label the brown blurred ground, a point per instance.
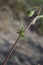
(29, 51)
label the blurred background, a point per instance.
(29, 51)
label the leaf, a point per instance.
(30, 13)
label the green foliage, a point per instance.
(21, 32)
(30, 13)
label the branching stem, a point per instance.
(11, 50)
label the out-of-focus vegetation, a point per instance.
(20, 6)
(39, 28)
(39, 24)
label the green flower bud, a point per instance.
(21, 32)
(30, 13)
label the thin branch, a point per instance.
(11, 50)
